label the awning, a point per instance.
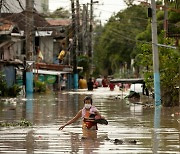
(49, 72)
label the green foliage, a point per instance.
(174, 18)
(169, 71)
(59, 13)
(128, 35)
(3, 85)
(22, 123)
(129, 2)
(169, 65)
(83, 61)
(39, 86)
(6, 91)
(14, 90)
(113, 48)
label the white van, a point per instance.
(137, 87)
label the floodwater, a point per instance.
(132, 128)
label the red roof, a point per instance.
(6, 26)
(59, 22)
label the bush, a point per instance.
(6, 91)
(14, 90)
(39, 86)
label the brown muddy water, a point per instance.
(132, 127)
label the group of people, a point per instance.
(92, 83)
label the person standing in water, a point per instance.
(90, 84)
(89, 114)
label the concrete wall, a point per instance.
(17, 48)
(46, 47)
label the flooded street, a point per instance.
(132, 128)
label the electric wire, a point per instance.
(116, 33)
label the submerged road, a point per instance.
(132, 128)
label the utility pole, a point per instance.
(85, 29)
(79, 38)
(74, 46)
(165, 18)
(90, 30)
(90, 51)
(179, 83)
(1, 2)
(155, 55)
(29, 36)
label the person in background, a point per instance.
(62, 52)
(111, 86)
(82, 83)
(90, 84)
(63, 82)
(105, 82)
(95, 84)
(39, 55)
(61, 56)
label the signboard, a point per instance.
(51, 79)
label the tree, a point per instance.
(60, 13)
(113, 48)
(129, 2)
(169, 60)
(83, 61)
(128, 35)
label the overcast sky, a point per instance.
(103, 10)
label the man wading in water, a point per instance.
(90, 116)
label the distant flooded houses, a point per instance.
(51, 36)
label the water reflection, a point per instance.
(29, 106)
(155, 130)
(157, 119)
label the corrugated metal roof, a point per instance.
(20, 19)
(40, 23)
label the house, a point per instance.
(8, 61)
(61, 41)
(46, 36)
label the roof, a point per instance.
(6, 26)
(11, 62)
(41, 25)
(20, 19)
(58, 22)
(55, 67)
